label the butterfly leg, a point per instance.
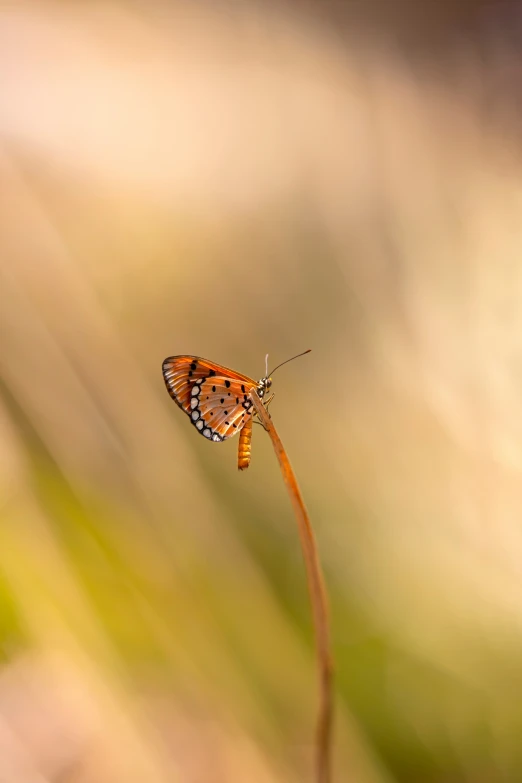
(266, 404)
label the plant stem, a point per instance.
(318, 596)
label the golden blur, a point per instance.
(227, 180)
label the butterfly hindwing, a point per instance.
(214, 397)
(224, 406)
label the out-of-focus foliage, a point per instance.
(227, 180)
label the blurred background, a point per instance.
(230, 179)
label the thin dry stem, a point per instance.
(318, 596)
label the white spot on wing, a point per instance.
(216, 437)
(193, 403)
(195, 391)
(195, 415)
(200, 424)
(206, 433)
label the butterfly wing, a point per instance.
(214, 397)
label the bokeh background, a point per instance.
(230, 179)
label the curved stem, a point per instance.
(318, 596)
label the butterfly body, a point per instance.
(215, 398)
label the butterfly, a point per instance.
(217, 399)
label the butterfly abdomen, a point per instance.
(245, 445)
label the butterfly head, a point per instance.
(263, 385)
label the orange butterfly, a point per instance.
(216, 398)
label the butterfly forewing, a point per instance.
(214, 397)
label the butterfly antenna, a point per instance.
(266, 366)
(288, 360)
